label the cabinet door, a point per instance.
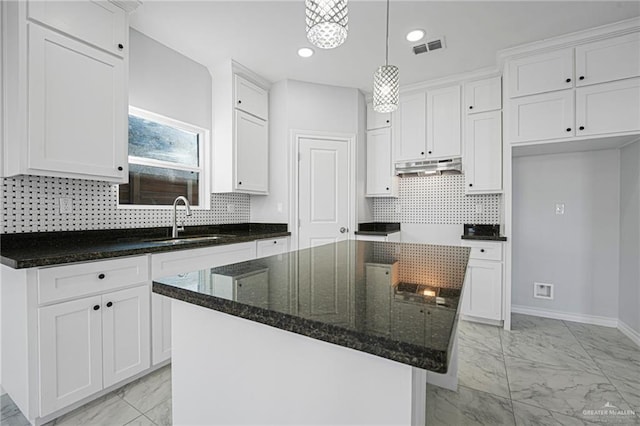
(100, 23)
(125, 333)
(608, 108)
(252, 154)
(607, 60)
(77, 108)
(443, 123)
(541, 73)
(484, 290)
(376, 120)
(379, 288)
(253, 289)
(483, 95)
(251, 98)
(160, 328)
(483, 152)
(409, 322)
(409, 137)
(379, 168)
(542, 117)
(272, 247)
(70, 347)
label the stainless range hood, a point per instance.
(430, 168)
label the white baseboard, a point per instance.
(629, 332)
(565, 316)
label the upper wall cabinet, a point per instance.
(483, 95)
(380, 179)
(608, 60)
(376, 120)
(541, 73)
(409, 128)
(443, 123)
(67, 96)
(240, 102)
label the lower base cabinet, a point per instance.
(483, 288)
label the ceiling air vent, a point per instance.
(435, 44)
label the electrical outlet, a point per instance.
(65, 205)
(231, 208)
(560, 208)
(398, 208)
(479, 208)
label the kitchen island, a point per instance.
(343, 333)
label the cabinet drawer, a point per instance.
(484, 251)
(594, 60)
(541, 73)
(72, 281)
(272, 247)
(99, 23)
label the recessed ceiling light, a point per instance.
(415, 35)
(305, 52)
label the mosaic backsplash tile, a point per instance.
(30, 204)
(437, 200)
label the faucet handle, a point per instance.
(181, 228)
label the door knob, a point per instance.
(343, 230)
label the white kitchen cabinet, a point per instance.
(409, 128)
(483, 298)
(608, 108)
(483, 95)
(381, 181)
(540, 73)
(251, 98)
(443, 123)
(376, 120)
(272, 247)
(70, 340)
(240, 159)
(393, 237)
(379, 290)
(408, 313)
(99, 23)
(542, 117)
(67, 107)
(608, 60)
(252, 148)
(483, 153)
(253, 288)
(160, 328)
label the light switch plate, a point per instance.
(560, 208)
(231, 208)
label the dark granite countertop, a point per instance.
(395, 300)
(378, 228)
(482, 232)
(28, 250)
(484, 237)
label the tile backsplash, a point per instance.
(437, 200)
(30, 204)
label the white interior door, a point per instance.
(323, 191)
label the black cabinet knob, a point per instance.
(422, 153)
(470, 106)
(275, 242)
(386, 273)
(422, 311)
(428, 312)
(568, 129)
(387, 188)
(581, 77)
(481, 250)
(388, 121)
(96, 307)
(101, 277)
(239, 284)
(239, 183)
(119, 168)
(568, 80)
(470, 184)
(581, 127)
(239, 101)
(120, 46)
(428, 152)
(109, 304)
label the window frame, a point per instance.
(204, 168)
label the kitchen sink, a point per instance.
(190, 239)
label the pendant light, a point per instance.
(385, 82)
(327, 22)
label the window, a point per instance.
(166, 159)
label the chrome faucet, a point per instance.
(174, 231)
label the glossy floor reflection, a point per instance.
(543, 372)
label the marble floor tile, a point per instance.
(598, 337)
(479, 336)
(140, 421)
(161, 414)
(7, 407)
(467, 407)
(537, 325)
(15, 420)
(148, 391)
(623, 371)
(528, 415)
(560, 389)
(484, 371)
(108, 410)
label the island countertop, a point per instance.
(395, 300)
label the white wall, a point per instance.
(166, 82)
(577, 251)
(630, 236)
(297, 105)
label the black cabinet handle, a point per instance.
(109, 304)
(101, 277)
(119, 168)
(581, 77)
(568, 80)
(120, 46)
(568, 129)
(428, 152)
(96, 307)
(581, 127)
(481, 250)
(470, 106)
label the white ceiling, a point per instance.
(265, 35)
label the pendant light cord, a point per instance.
(386, 59)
